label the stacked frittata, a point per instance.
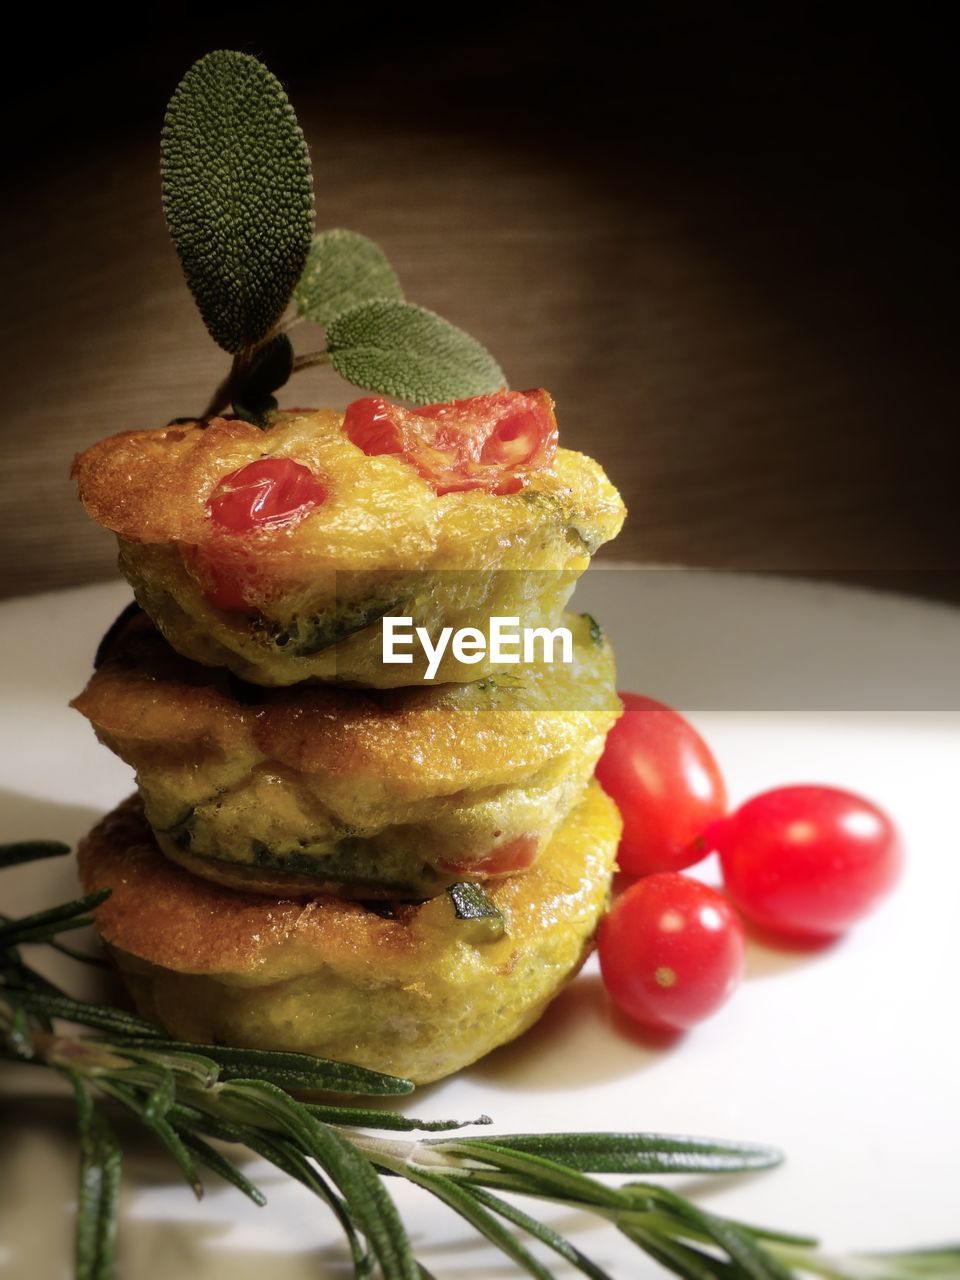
(328, 852)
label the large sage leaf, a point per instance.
(237, 194)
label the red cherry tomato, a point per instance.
(666, 784)
(488, 442)
(807, 861)
(516, 855)
(671, 951)
(271, 493)
(268, 493)
(223, 585)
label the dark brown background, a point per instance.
(725, 243)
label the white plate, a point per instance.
(846, 1058)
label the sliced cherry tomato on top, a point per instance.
(488, 442)
(269, 493)
(807, 861)
(671, 951)
(666, 784)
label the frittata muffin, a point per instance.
(277, 552)
(364, 793)
(417, 994)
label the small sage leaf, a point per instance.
(269, 368)
(237, 194)
(403, 350)
(343, 269)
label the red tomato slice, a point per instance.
(268, 493)
(223, 573)
(515, 855)
(271, 493)
(488, 442)
(222, 588)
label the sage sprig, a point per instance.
(191, 1096)
(238, 199)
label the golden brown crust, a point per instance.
(392, 794)
(143, 485)
(283, 604)
(426, 740)
(152, 487)
(163, 915)
(417, 996)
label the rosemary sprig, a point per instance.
(190, 1096)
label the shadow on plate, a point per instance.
(581, 1040)
(24, 817)
(53, 880)
(769, 955)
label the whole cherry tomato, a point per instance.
(807, 861)
(666, 784)
(671, 951)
